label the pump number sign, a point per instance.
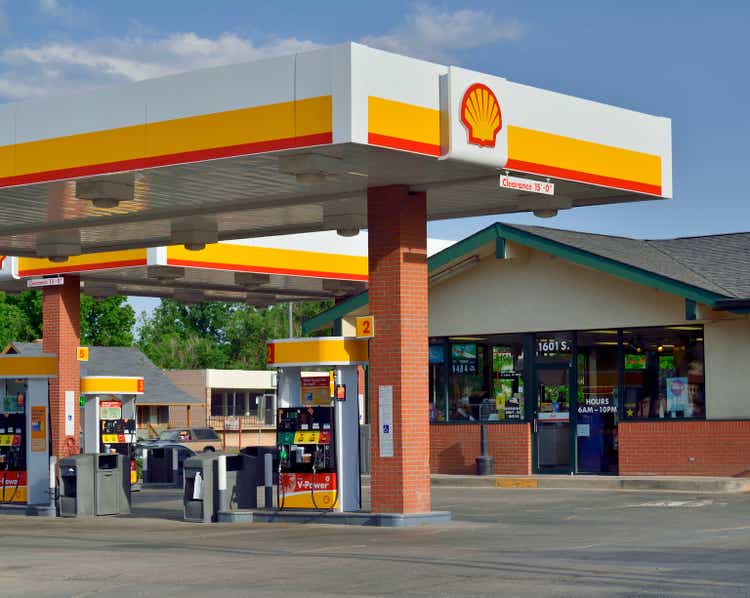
(365, 326)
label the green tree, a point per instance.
(107, 322)
(15, 324)
(104, 322)
(217, 335)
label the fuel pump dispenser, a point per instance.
(109, 416)
(318, 422)
(24, 432)
(307, 458)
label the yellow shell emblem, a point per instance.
(480, 114)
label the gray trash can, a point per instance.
(112, 487)
(201, 488)
(77, 486)
(242, 481)
(200, 493)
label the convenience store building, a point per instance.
(586, 353)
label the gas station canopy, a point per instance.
(260, 274)
(291, 144)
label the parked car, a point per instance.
(196, 439)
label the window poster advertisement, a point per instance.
(507, 384)
(464, 358)
(635, 362)
(502, 361)
(677, 394)
(509, 404)
(437, 354)
(666, 362)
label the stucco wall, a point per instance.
(727, 346)
(543, 293)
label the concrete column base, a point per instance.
(354, 518)
(29, 510)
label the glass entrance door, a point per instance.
(552, 420)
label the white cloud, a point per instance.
(30, 71)
(439, 35)
(53, 8)
(59, 67)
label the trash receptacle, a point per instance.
(77, 486)
(242, 482)
(200, 492)
(201, 489)
(112, 477)
(259, 453)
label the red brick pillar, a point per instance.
(397, 227)
(61, 316)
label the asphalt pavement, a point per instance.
(519, 542)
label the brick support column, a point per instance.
(397, 228)
(61, 314)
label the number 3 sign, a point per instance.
(365, 327)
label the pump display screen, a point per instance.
(110, 410)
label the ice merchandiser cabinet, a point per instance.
(318, 422)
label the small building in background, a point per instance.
(239, 404)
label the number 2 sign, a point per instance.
(365, 327)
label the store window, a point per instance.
(473, 381)
(664, 373)
(438, 383)
(467, 383)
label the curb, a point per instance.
(703, 485)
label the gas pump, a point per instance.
(109, 416)
(13, 442)
(307, 458)
(318, 422)
(24, 431)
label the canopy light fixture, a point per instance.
(107, 192)
(545, 213)
(251, 279)
(58, 246)
(196, 232)
(347, 231)
(311, 169)
(165, 273)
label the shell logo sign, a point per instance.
(480, 114)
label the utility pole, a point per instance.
(291, 319)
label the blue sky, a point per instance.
(687, 60)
